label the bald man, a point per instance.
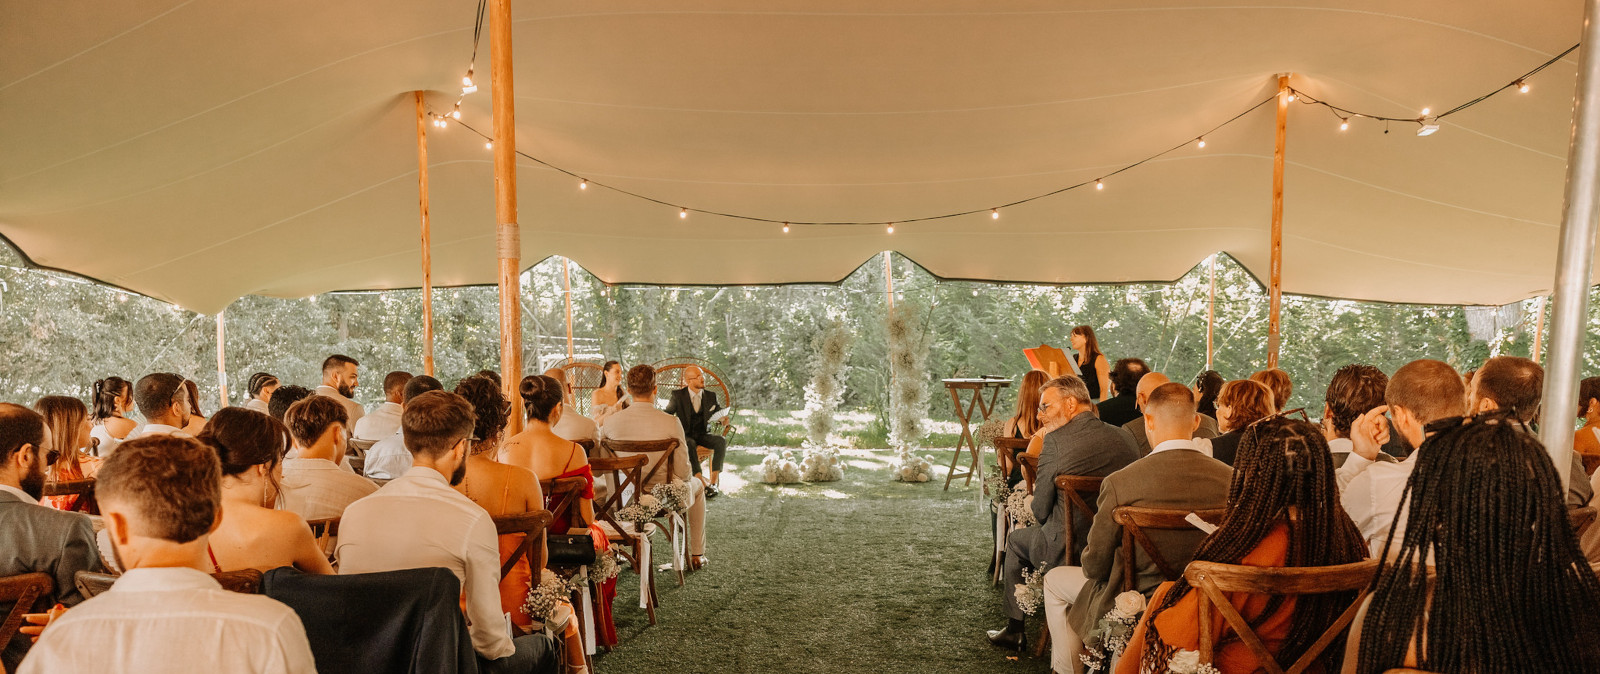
(694, 407)
(1148, 383)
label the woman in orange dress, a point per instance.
(68, 419)
(1283, 510)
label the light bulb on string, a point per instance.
(683, 214)
(1344, 124)
(456, 113)
(994, 214)
(584, 185)
(1201, 143)
(891, 228)
(466, 80)
(488, 145)
(1522, 86)
(1099, 185)
(1293, 96)
(1425, 111)
(785, 228)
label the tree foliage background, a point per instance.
(60, 332)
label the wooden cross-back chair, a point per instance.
(626, 475)
(326, 531)
(30, 591)
(1080, 493)
(247, 581)
(1213, 580)
(532, 524)
(1006, 451)
(669, 376)
(668, 449)
(1135, 520)
(1030, 469)
(1581, 519)
(83, 489)
(565, 496)
(584, 377)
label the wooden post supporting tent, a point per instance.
(508, 234)
(888, 277)
(1211, 312)
(427, 238)
(222, 363)
(1275, 285)
(1538, 331)
(1575, 257)
(566, 280)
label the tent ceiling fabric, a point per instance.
(199, 151)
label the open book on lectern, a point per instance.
(1051, 360)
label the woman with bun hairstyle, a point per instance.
(110, 425)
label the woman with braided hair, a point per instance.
(1510, 591)
(261, 386)
(1283, 510)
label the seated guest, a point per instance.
(285, 397)
(314, 486)
(540, 450)
(642, 421)
(419, 520)
(1420, 393)
(1353, 391)
(261, 387)
(491, 375)
(164, 403)
(1516, 385)
(499, 488)
(68, 420)
(1148, 383)
(1025, 424)
(1278, 382)
(112, 401)
(612, 395)
(197, 419)
(694, 406)
(1176, 475)
(1083, 445)
(1241, 403)
(1124, 406)
(250, 446)
(384, 420)
(161, 500)
(36, 538)
(1207, 385)
(572, 426)
(1481, 584)
(339, 375)
(1587, 440)
(1283, 511)
(389, 458)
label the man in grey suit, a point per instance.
(1084, 445)
(1206, 429)
(36, 538)
(1177, 475)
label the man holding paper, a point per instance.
(695, 408)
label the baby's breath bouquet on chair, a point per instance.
(543, 598)
(1110, 637)
(673, 496)
(1019, 503)
(1030, 592)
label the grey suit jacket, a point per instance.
(1084, 446)
(43, 539)
(1175, 479)
(1208, 429)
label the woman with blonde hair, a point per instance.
(68, 419)
(1242, 402)
(1092, 363)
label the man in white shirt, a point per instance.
(384, 420)
(1419, 393)
(389, 458)
(164, 402)
(339, 373)
(419, 520)
(161, 498)
(572, 426)
(314, 486)
(642, 421)
(1353, 391)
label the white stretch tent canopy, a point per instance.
(199, 151)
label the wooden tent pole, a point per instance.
(1275, 290)
(427, 237)
(566, 280)
(888, 276)
(1211, 312)
(508, 234)
(1538, 330)
(222, 363)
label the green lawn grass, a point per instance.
(858, 429)
(860, 575)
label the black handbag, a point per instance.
(570, 549)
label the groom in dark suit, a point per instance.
(694, 407)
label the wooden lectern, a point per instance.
(1051, 360)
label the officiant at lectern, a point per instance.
(694, 406)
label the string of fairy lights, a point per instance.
(1427, 123)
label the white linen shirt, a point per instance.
(319, 489)
(1338, 446)
(156, 429)
(418, 521)
(257, 405)
(1196, 445)
(1370, 494)
(641, 421)
(382, 422)
(177, 621)
(351, 407)
(574, 427)
(388, 459)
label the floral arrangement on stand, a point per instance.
(672, 495)
(908, 377)
(1110, 638)
(1019, 503)
(780, 468)
(909, 467)
(826, 389)
(821, 465)
(1030, 592)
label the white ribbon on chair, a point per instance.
(646, 565)
(588, 614)
(680, 542)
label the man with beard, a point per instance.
(418, 521)
(339, 382)
(36, 538)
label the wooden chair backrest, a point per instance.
(669, 376)
(1581, 519)
(83, 489)
(27, 590)
(325, 531)
(247, 581)
(1213, 580)
(667, 447)
(1030, 470)
(1080, 493)
(1134, 520)
(1006, 450)
(1590, 462)
(565, 496)
(532, 547)
(626, 473)
(587, 445)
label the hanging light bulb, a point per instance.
(1201, 143)
(891, 228)
(785, 228)
(683, 214)
(1292, 96)
(994, 214)
(489, 145)
(1522, 86)
(1099, 185)
(466, 81)
(584, 185)
(1344, 124)
(1425, 111)
(456, 113)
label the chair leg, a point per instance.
(1043, 641)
